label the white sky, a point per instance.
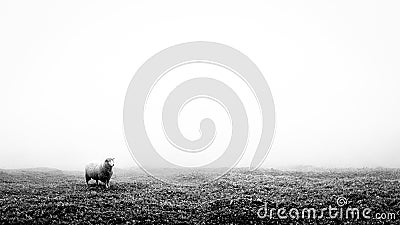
(333, 68)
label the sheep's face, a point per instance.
(110, 162)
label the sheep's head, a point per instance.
(110, 162)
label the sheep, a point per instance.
(100, 171)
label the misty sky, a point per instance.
(332, 66)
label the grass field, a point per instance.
(38, 196)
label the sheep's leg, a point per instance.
(97, 182)
(87, 180)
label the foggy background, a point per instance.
(333, 69)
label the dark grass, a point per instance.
(44, 196)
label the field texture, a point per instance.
(43, 196)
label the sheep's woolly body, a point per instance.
(99, 171)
